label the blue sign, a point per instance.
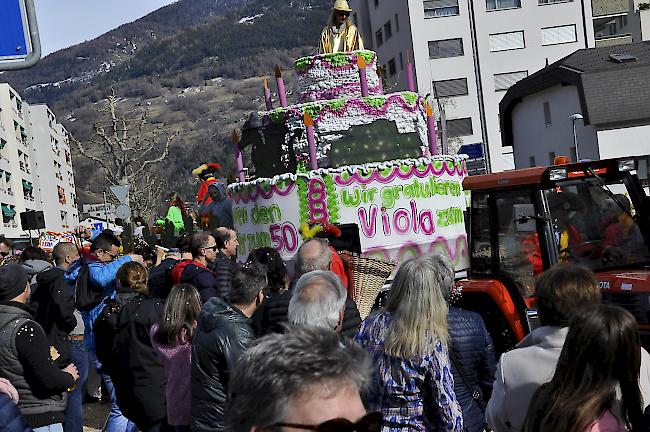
(14, 31)
(474, 151)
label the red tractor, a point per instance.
(521, 222)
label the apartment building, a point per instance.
(35, 166)
(468, 53)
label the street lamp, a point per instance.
(573, 118)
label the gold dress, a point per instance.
(345, 41)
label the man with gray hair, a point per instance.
(318, 300)
(314, 254)
(304, 379)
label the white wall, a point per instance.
(632, 141)
(531, 136)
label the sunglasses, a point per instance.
(371, 422)
(214, 248)
(342, 13)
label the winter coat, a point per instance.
(177, 360)
(472, 350)
(523, 370)
(160, 278)
(196, 274)
(102, 276)
(276, 312)
(221, 337)
(136, 371)
(224, 268)
(53, 302)
(10, 418)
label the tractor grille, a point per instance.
(637, 304)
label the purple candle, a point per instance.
(282, 92)
(410, 81)
(311, 140)
(267, 96)
(431, 127)
(363, 75)
(239, 160)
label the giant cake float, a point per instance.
(347, 153)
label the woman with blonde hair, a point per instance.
(413, 386)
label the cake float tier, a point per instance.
(336, 75)
(402, 208)
(347, 131)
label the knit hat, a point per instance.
(13, 279)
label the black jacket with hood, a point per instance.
(222, 335)
(53, 301)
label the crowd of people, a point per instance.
(192, 340)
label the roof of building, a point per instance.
(613, 84)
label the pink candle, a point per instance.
(311, 140)
(239, 159)
(363, 75)
(267, 96)
(282, 92)
(431, 127)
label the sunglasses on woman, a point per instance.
(371, 422)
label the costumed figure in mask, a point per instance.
(218, 212)
(340, 35)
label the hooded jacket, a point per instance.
(34, 267)
(196, 274)
(53, 301)
(223, 334)
(523, 370)
(220, 210)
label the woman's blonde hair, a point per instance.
(134, 276)
(417, 301)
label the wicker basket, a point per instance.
(366, 278)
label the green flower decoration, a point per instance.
(278, 115)
(410, 97)
(368, 56)
(375, 101)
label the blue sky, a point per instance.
(63, 23)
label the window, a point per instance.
(388, 30)
(452, 87)
(396, 23)
(376, 3)
(547, 114)
(559, 35)
(502, 4)
(610, 26)
(380, 37)
(507, 41)
(459, 127)
(531, 161)
(440, 8)
(446, 48)
(504, 81)
(401, 61)
(551, 158)
(574, 154)
(392, 67)
(545, 2)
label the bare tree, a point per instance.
(128, 150)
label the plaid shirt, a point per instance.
(413, 394)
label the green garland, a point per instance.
(333, 208)
(303, 189)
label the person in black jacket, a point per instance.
(196, 272)
(225, 265)
(471, 355)
(223, 334)
(313, 254)
(134, 367)
(25, 355)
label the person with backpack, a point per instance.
(93, 279)
(125, 348)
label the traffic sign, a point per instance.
(20, 45)
(123, 211)
(121, 192)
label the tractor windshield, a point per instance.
(596, 228)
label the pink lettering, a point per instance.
(368, 225)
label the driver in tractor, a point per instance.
(565, 210)
(622, 237)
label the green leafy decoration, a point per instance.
(332, 200)
(337, 59)
(368, 56)
(278, 115)
(410, 97)
(303, 209)
(314, 109)
(375, 101)
(336, 105)
(303, 63)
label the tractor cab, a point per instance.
(521, 222)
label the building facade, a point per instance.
(593, 104)
(468, 53)
(35, 166)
